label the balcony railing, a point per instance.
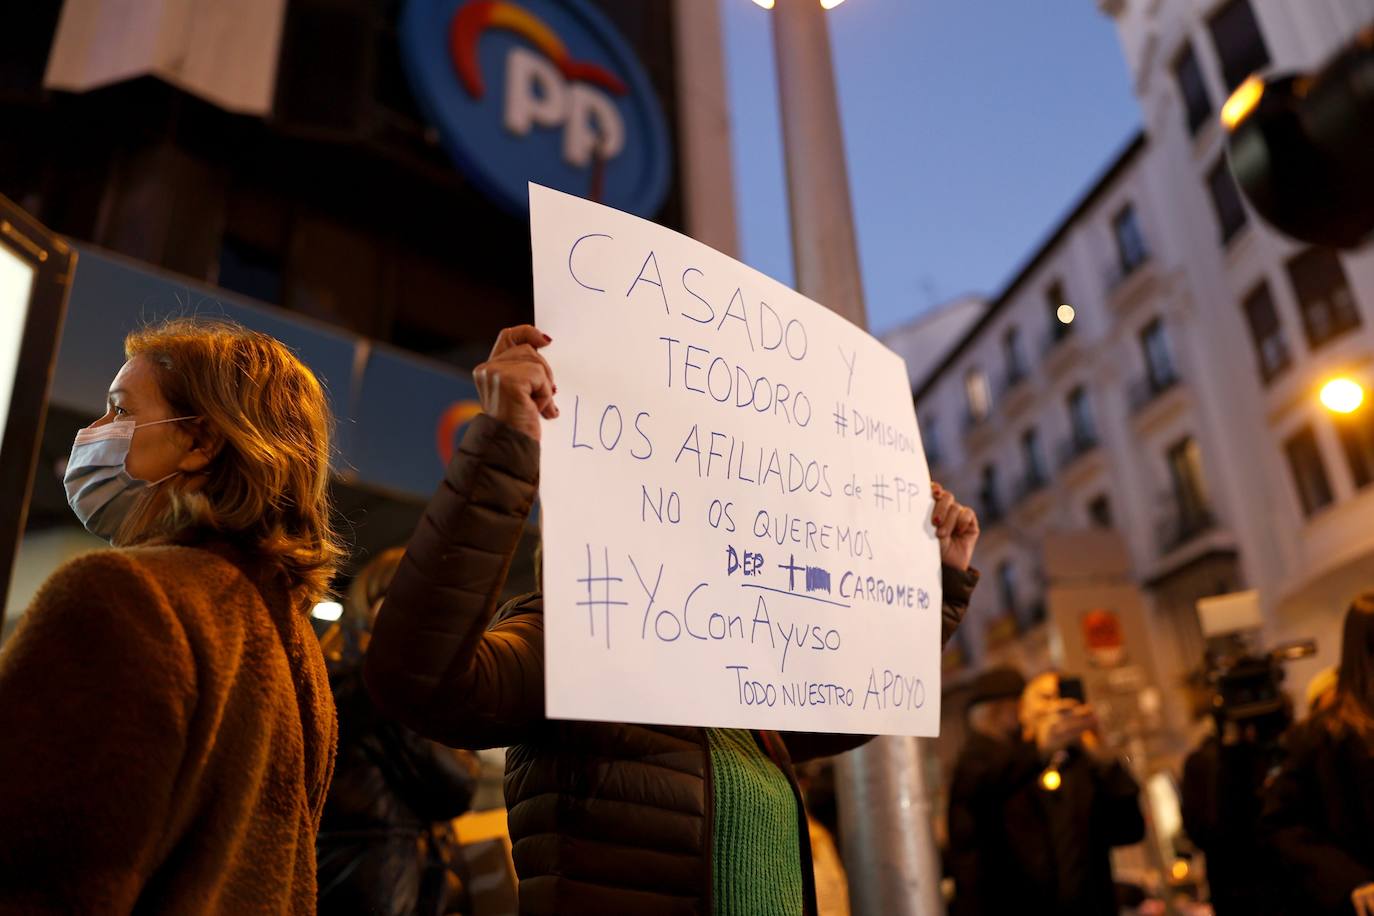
(990, 511)
(1182, 525)
(1030, 483)
(1054, 338)
(1120, 271)
(1011, 379)
(1145, 390)
(1077, 445)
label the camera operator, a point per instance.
(1320, 806)
(1222, 780)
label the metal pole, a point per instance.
(823, 249)
(885, 827)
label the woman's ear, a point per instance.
(205, 444)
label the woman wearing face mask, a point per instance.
(168, 730)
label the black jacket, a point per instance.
(1319, 810)
(1221, 801)
(392, 790)
(605, 818)
(1016, 848)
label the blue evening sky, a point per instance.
(970, 127)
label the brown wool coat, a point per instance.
(166, 739)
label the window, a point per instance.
(1309, 472)
(1357, 440)
(1196, 102)
(1006, 587)
(1324, 295)
(930, 438)
(1054, 298)
(1185, 474)
(1011, 350)
(1033, 459)
(1159, 364)
(1226, 200)
(988, 496)
(1239, 42)
(1130, 243)
(1100, 511)
(979, 399)
(1081, 417)
(1271, 349)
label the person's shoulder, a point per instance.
(107, 598)
(1325, 733)
(98, 572)
(530, 604)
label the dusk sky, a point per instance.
(970, 127)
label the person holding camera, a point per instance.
(1319, 809)
(1223, 779)
(1034, 836)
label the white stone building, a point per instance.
(1180, 405)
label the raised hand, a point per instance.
(516, 384)
(956, 525)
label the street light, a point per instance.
(1342, 395)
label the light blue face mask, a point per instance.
(100, 489)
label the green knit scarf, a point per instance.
(756, 850)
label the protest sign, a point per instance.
(736, 504)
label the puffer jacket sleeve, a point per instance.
(433, 664)
(957, 586)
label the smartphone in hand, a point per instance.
(1071, 688)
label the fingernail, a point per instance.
(936, 520)
(548, 339)
(555, 389)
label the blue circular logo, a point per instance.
(538, 90)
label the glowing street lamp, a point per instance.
(1342, 395)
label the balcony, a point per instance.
(1146, 390)
(1055, 339)
(1182, 525)
(1013, 393)
(990, 511)
(1076, 446)
(1028, 484)
(1121, 271)
(1131, 283)
(1058, 347)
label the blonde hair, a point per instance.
(267, 489)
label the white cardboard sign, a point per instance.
(736, 504)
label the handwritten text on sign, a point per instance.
(735, 500)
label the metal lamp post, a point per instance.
(885, 809)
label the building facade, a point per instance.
(1152, 372)
(298, 166)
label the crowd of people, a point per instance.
(176, 738)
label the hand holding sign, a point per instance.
(956, 526)
(737, 513)
(516, 383)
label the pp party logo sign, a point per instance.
(538, 90)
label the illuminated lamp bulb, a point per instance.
(327, 610)
(1342, 395)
